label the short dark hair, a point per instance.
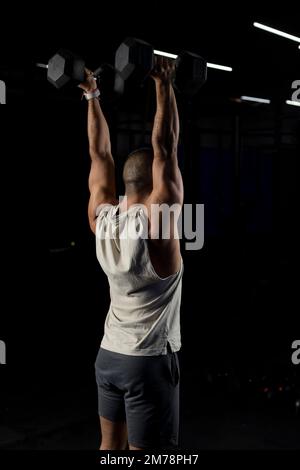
(137, 171)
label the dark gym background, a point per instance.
(240, 310)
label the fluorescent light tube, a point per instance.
(212, 66)
(293, 103)
(276, 31)
(254, 99)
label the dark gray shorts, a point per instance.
(144, 392)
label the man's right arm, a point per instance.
(167, 180)
(164, 247)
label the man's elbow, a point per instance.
(164, 151)
(165, 145)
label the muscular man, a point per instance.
(137, 367)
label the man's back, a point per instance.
(144, 314)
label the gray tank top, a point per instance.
(144, 313)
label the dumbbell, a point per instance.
(134, 61)
(66, 67)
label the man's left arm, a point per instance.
(102, 184)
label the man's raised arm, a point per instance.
(167, 180)
(102, 174)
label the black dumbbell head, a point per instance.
(191, 73)
(134, 59)
(64, 67)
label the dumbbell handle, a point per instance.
(42, 66)
(96, 73)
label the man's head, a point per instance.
(137, 172)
